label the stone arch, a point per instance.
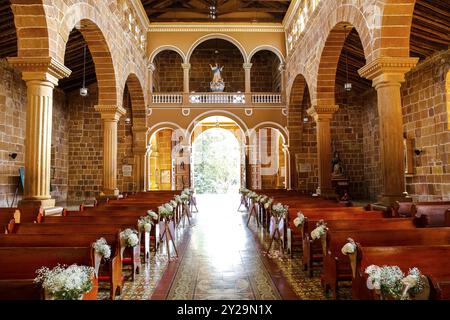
(167, 48)
(217, 36)
(241, 124)
(36, 29)
(275, 126)
(328, 64)
(268, 48)
(93, 29)
(395, 15)
(179, 131)
(137, 100)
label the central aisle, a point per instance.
(222, 260)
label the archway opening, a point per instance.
(161, 173)
(217, 156)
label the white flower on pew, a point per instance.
(173, 203)
(244, 191)
(413, 283)
(252, 195)
(152, 214)
(178, 199)
(349, 247)
(65, 283)
(129, 238)
(102, 248)
(319, 231)
(279, 210)
(268, 204)
(165, 211)
(263, 199)
(299, 220)
(387, 280)
(145, 223)
(184, 198)
(186, 191)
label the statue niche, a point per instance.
(217, 84)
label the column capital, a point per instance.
(151, 66)
(282, 67)
(322, 112)
(247, 65)
(110, 112)
(41, 69)
(186, 66)
(388, 69)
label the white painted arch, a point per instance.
(270, 48)
(167, 48)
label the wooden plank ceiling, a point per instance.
(430, 32)
(226, 10)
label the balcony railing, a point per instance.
(266, 98)
(230, 98)
(167, 98)
(216, 98)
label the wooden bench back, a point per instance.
(430, 215)
(63, 228)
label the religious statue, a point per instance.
(217, 84)
(337, 165)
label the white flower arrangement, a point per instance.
(387, 279)
(165, 211)
(279, 210)
(102, 248)
(173, 203)
(252, 195)
(413, 283)
(244, 191)
(129, 238)
(184, 198)
(145, 223)
(319, 231)
(65, 283)
(268, 204)
(349, 247)
(299, 220)
(152, 214)
(186, 191)
(263, 199)
(178, 199)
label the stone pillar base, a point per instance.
(389, 200)
(45, 204)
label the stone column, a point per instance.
(287, 165)
(147, 180)
(139, 151)
(110, 116)
(153, 163)
(323, 115)
(387, 75)
(41, 76)
(248, 84)
(186, 72)
(282, 70)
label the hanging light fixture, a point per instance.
(83, 90)
(348, 84)
(213, 11)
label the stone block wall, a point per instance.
(164, 140)
(85, 146)
(265, 76)
(425, 118)
(168, 76)
(13, 104)
(347, 136)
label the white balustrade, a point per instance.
(167, 98)
(217, 98)
(266, 98)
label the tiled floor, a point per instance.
(221, 258)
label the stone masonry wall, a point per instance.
(85, 146)
(168, 76)
(264, 73)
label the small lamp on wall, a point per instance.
(418, 152)
(13, 155)
(127, 120)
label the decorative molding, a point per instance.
(140, 10)
(284, 111)
(186, 66)
(387, 65)
(149, 111)
(44, 65)
(151, 66)
(247, 65)
(110, 112)
(292, 10)
(248, 112)
(318, 112)
(232, 27)
(185, 112)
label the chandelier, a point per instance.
(213, 11)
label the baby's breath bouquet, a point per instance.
(252, 195)
(279, 210)
(152, 214)
(65, 283)
(244, 191)
(268, 203)
(184, 198)
(387, 280)
(413, 283)
(129, 238)
(145, 223)
(165, 211)
(102, 248)
(319, 231)
(299, 220)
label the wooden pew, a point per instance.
(432, 261)
(19, 265)
(338, 267)
(426, 216)
(131, 255)
(406, 209)
(111, 272)
(314, 250)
